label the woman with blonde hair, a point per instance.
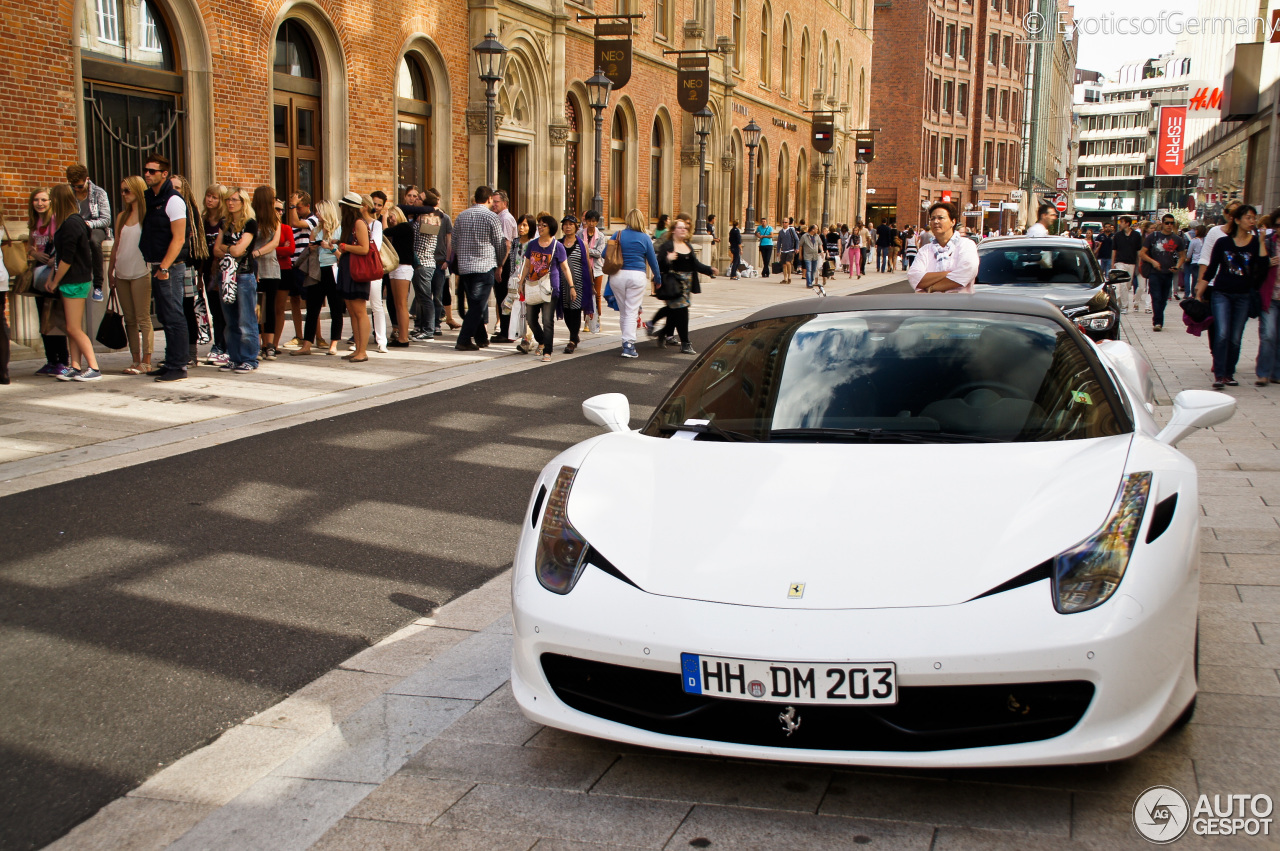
(357, 240)
(72, 280)
(630, 282)
(324, 241)
(129, 276)
(234, 250)
(41, 228)
(264, 251)
(400, 234)
(215, 197)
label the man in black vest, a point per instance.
(163, 244)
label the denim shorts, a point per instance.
(75, 290)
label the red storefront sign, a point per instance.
(1169, 144)
(1205, 98)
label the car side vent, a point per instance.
(537, 506)
(596, 559)
(1161, 517)
(1043, 570)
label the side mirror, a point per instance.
(1118, 276)
(611, 410)
(1196, 409)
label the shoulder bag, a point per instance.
(613, 256)
(111, 329)
(366, 268)
(14, 253)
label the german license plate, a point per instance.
(846, 683)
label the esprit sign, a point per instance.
(1169, 145)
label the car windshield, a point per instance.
(1033, 265)
(893, 376)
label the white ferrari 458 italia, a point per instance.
(878, 530)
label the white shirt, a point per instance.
(1037, 230)
(175, 208)
(1215, 233)
(959, 257)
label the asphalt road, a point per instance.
(146, 610)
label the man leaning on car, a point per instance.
(949, 264)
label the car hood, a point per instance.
(860, 526)
(1063, 295)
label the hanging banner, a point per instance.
(613, 57)
(1169, 144)
(824, 134)
(866, 147)
(693, 82)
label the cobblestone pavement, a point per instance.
(417, 741)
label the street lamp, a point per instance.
(491, 65)
(598, 88)
(751, 137)
(828, 157)
(702, 127)
(859, 166)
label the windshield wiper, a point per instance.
(886, 435)
(712, 429)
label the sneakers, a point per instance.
(295, 343)
(89, 375)
(217, 358)
(50, 369)
(687, 349)
(650, 328)
(226, 367)
(1157, 327)
(629, 350)
(419, 335)
(97, 296)
(242, 368)
(659, 340)
(173, 375)
(160, 370)
(673, 340)
(66, 373)
(1218, 382)
(1231, 382)
(382, 348)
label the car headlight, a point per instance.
(561, 552)
(1088, 574)
(1095, 321)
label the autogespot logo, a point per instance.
(1161, 815)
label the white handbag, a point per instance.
(539, 292)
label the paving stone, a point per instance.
(405, 652)
(774, 830)
(411, 799)
(139, 824)
(546, 844)
(550, 737)
(1268, 631)
(502, 728)
(470, 670)
(1208, 741)
(219, 772)
(931, 801)
(479, 608)
(352, 833)
(327, 701)
(275, 814)
(1122, 779)
(1240, 575)
(1227, 629)
(1237, 711)
(1223, 777)
(1097, 825)
(512, 765)
(501, 700)
(1239, 655)
(555, 813)
(1244, 561)
(968, 839)
(774, 786)
(1234, 680)
(1264, 595)
(373, 743)
(1210, 592)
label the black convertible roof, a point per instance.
(978, 302)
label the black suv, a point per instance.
(1058, 269)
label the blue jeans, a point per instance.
(424, 304)
(168, 296)
(1230, 313)
(1268, 362)
(242, 323)
(1106, 265)
(1189, 279)
(810, 269)
(882, 259)
(478, 287)
(1160, 283)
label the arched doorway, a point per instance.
(296, 116)
(414, 135)
(130, 114)
(618, 184)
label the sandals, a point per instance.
(569, 349)
(546, 358)
(137, 369)
(356, 360)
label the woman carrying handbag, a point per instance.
(359, 266)
(545, 271)
(680, 270)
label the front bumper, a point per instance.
(1131, 666)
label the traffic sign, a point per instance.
(1061, 183)
(1062, 205)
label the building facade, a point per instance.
(1046, 128)
(947, 95)
(328, 96)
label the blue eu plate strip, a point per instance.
(692, 677)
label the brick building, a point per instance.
(327, 95)
(947, 93)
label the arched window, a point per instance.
(735, 179)
(786, 56)
(656, 170)
(572, 154)
(802, 186)
(129, 115)
(413, 124)
(762, 180)
(766, 55)
(784, 185)
(804, 66)
(737, 35)
(618, 167)
(822, 65)
(834, 88)
(862, 97)
(296, 111)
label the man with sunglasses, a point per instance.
(95, 209)
(164, 237)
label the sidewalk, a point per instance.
(53, 431)
(417, 742)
